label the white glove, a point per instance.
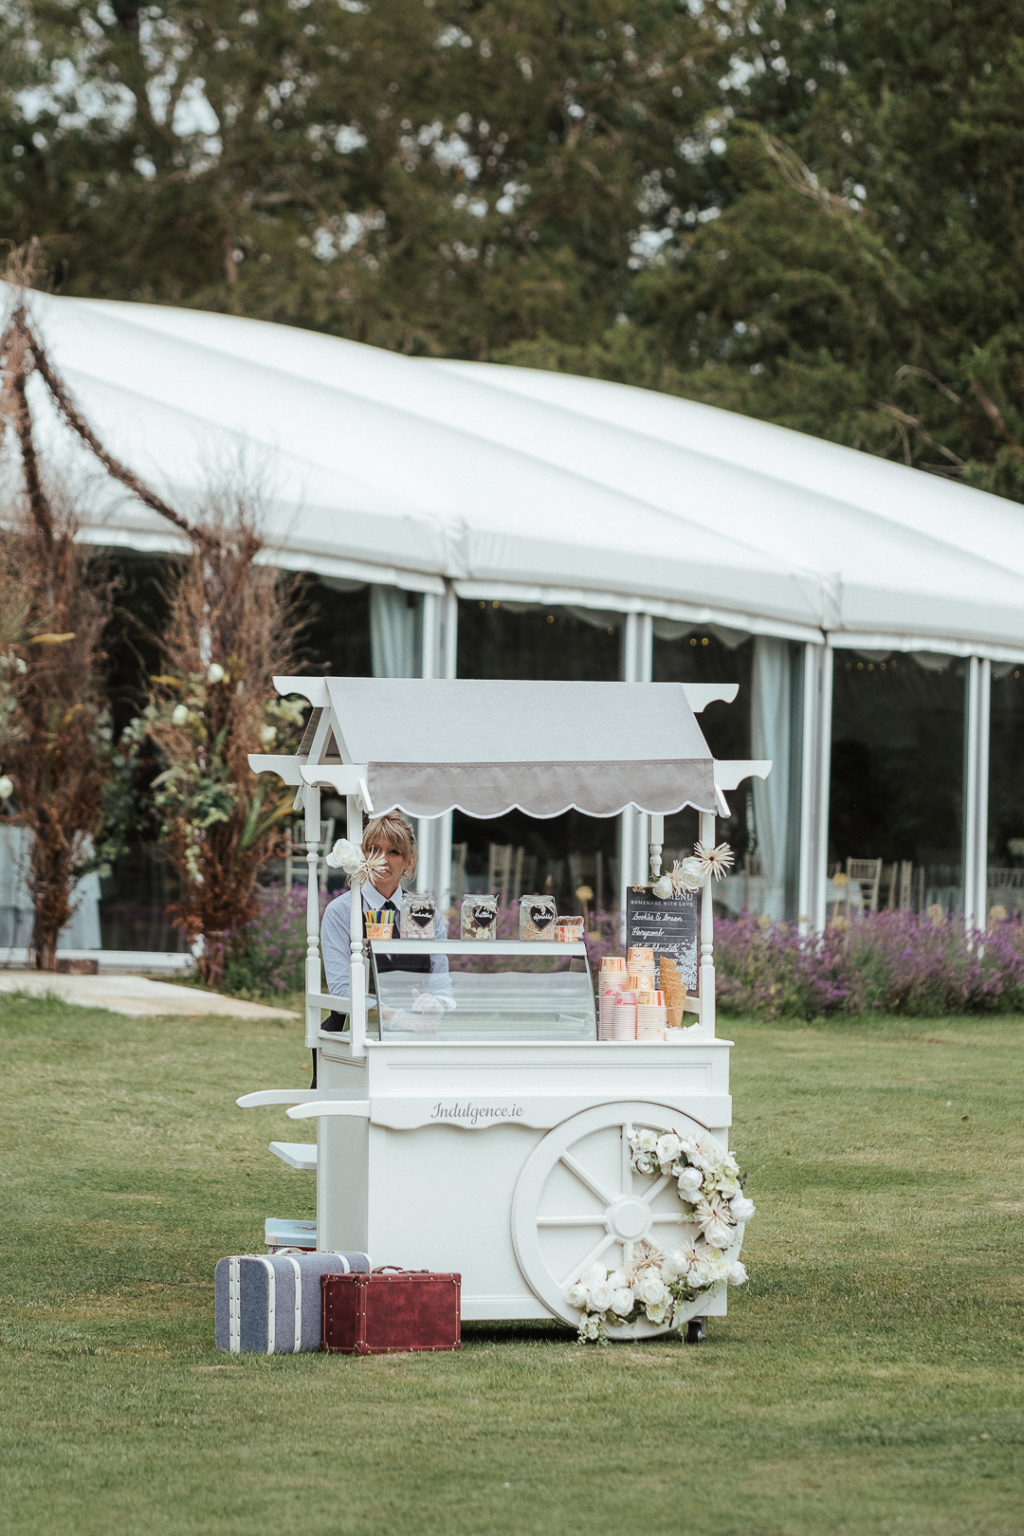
(413, 1023)
(432, 1003)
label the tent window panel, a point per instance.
(500, 640)
(336, 635)
(700, 657)
(898, 730)
(516, 854)
(1006, 792)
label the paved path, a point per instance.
(136, 995)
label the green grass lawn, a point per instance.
(868, 1379)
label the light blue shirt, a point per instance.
(336, 936)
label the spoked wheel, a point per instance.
(578, 1201)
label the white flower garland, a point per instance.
(659, 1285)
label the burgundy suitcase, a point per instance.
(390, 1311)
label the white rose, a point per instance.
(663, 887)
(179, 715)
(344, 855)
(704, 1154)
(658, 1311)
(268, 735)
(601, 1297)
(667, 1148)
(737, 1273)
(592, 1328)
(595, 1275)
(712, 1268)
(6, 786)
(646, 1139)
(690, 874)
(215, 673)
(617, 1279)
(577, 1294)
(674, 1264)
(690, 1184)
(651, 1288)
(742, 1208)
(720, 1234)
(644, 1163)
(622, 1301)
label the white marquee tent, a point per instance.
(475, 480)
(532, 485)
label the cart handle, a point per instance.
(358, 1109)
(276, 1096)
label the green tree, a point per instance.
(860, 273)
(436, 175)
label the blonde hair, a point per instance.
(395, 832)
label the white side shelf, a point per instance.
(297, 1154)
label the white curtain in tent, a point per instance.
(16, 911)
(393, 632)
(771, 725)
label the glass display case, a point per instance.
(501, 990)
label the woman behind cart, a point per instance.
(391, 840)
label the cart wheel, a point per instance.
(578, 1200)
(697, 1330)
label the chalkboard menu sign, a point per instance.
(669, 925)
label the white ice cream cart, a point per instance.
(498, 1145)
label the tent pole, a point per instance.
(637, 664)
(977, 710)
(822, 779)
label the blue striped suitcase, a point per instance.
(270, 1304)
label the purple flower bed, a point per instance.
(884, 962)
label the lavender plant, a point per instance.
(885, 962)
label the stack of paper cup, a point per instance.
(611, 982)
(613, 969)
(650, 1016)
(640, 963)
(624, 1021)
(606, 1012)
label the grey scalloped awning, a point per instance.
(540, 747)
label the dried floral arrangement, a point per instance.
(707, 862)
(231, 629)
(54, 605)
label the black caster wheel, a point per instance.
(697, 1330)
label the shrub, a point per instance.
(265, 956)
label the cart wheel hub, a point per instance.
(629, 1219)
